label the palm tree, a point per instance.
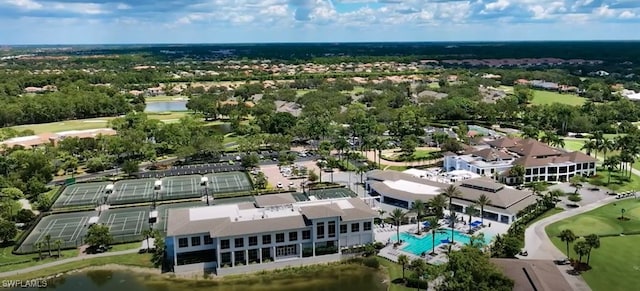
(454, 217)
(589, 146)
(397, 216)
(471, 211)
(39, 248)
(341, 145)
(593, 240)
(361, 170)
(58, 244)
(381, 212)
(433, 226)
(47, 238)
(451, 192)
(606, 145)
(553, 194)
(610, 163)
(568, 237)
(581, 248)
(483, 201)
(517, 171)
(419, 208)
(320, 163)
(538, 187)
(148, 233)
(548, 137)
(403, 260)
(437, 203)
(530, 132)
(575, 182)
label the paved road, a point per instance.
(540, 247)
(60, 262)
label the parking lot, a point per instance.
(588, 193)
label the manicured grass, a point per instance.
(422, 154)
(395, 272)
(395, 168)
(137, 260)
(547, 97)
(619, 181)
(573, 144)
(91, 123)
(24, 261)
(434, 85)
(615, 265)
(507, 89)
(602, 220)
(549, 212)
(163, 98)
(127, 246)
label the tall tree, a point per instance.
(483, 201)
(419, 208)
(437, 204)
(451, 192)
(593, 241)
(581, 248)
(568, 237)
(98, 235)
(397, 216)
(403, 260)
(576, 182)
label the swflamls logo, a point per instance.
(35, 283)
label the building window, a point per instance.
(332, 228)
(266, 239)
(253, 240)
(208, 240)
(528, 172)
(224, 244)
(306, 234)
(366, 226)
(183, 242)
(195, 241)
(355, 227)
(293, 236)
(343, 228)
(543, 170)
(279, 237)
(284, 251)
(239, 242)
(320, 230)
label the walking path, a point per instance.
(540, 247)
(65, 261)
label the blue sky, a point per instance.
(232, 21)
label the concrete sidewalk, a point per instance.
(61, 262)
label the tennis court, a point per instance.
(163, 213)
(84, 194)
(181, 187)
(132, 191)
(69, 228)
(229, 182)
(126, 222)
(332, 193)
(299, 197)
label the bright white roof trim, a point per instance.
(412, 187)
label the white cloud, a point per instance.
(25, 4)
(627, 14)
(123, 6)
(604, 11)
(498, 5)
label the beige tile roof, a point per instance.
(533, 275)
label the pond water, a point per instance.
(165, 106)
(352, 279)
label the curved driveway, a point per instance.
(540, 247)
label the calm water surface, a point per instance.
(357, 279)
(164, 106)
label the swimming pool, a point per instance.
(417, 246)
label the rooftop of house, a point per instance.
(528, 275)
(240, 219)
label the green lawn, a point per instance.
(127, 246)
(164, 98)
(395, 168)
(616, 264)
(137, 260)
(547, 97)
(422, 154)
(24, 261)
(573, 144)
(394, 271)
(618, 183)
(434, 85)
(92, 123)
(602, 220)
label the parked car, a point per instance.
(280, 185)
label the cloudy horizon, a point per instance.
(281, 21)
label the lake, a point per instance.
(165, 106)
(353, 279)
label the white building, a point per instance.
(541, 162)
(275, 232)
(402, 189)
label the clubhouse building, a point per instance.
(494, 158)
(402, 189)
(274, 232)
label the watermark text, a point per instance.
(34, 283)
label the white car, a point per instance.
(290, 183)
(280, 185)
(238, 158)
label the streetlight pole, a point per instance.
(204, 182)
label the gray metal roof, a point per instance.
(274, 199)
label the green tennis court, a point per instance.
(84, 194)
(229, 182)
(126, 222)
(332, 193)
(181, 187)
(163, 213)
(132, 191)
(69, 228)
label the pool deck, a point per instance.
(387, 234)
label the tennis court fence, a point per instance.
(31, 248)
